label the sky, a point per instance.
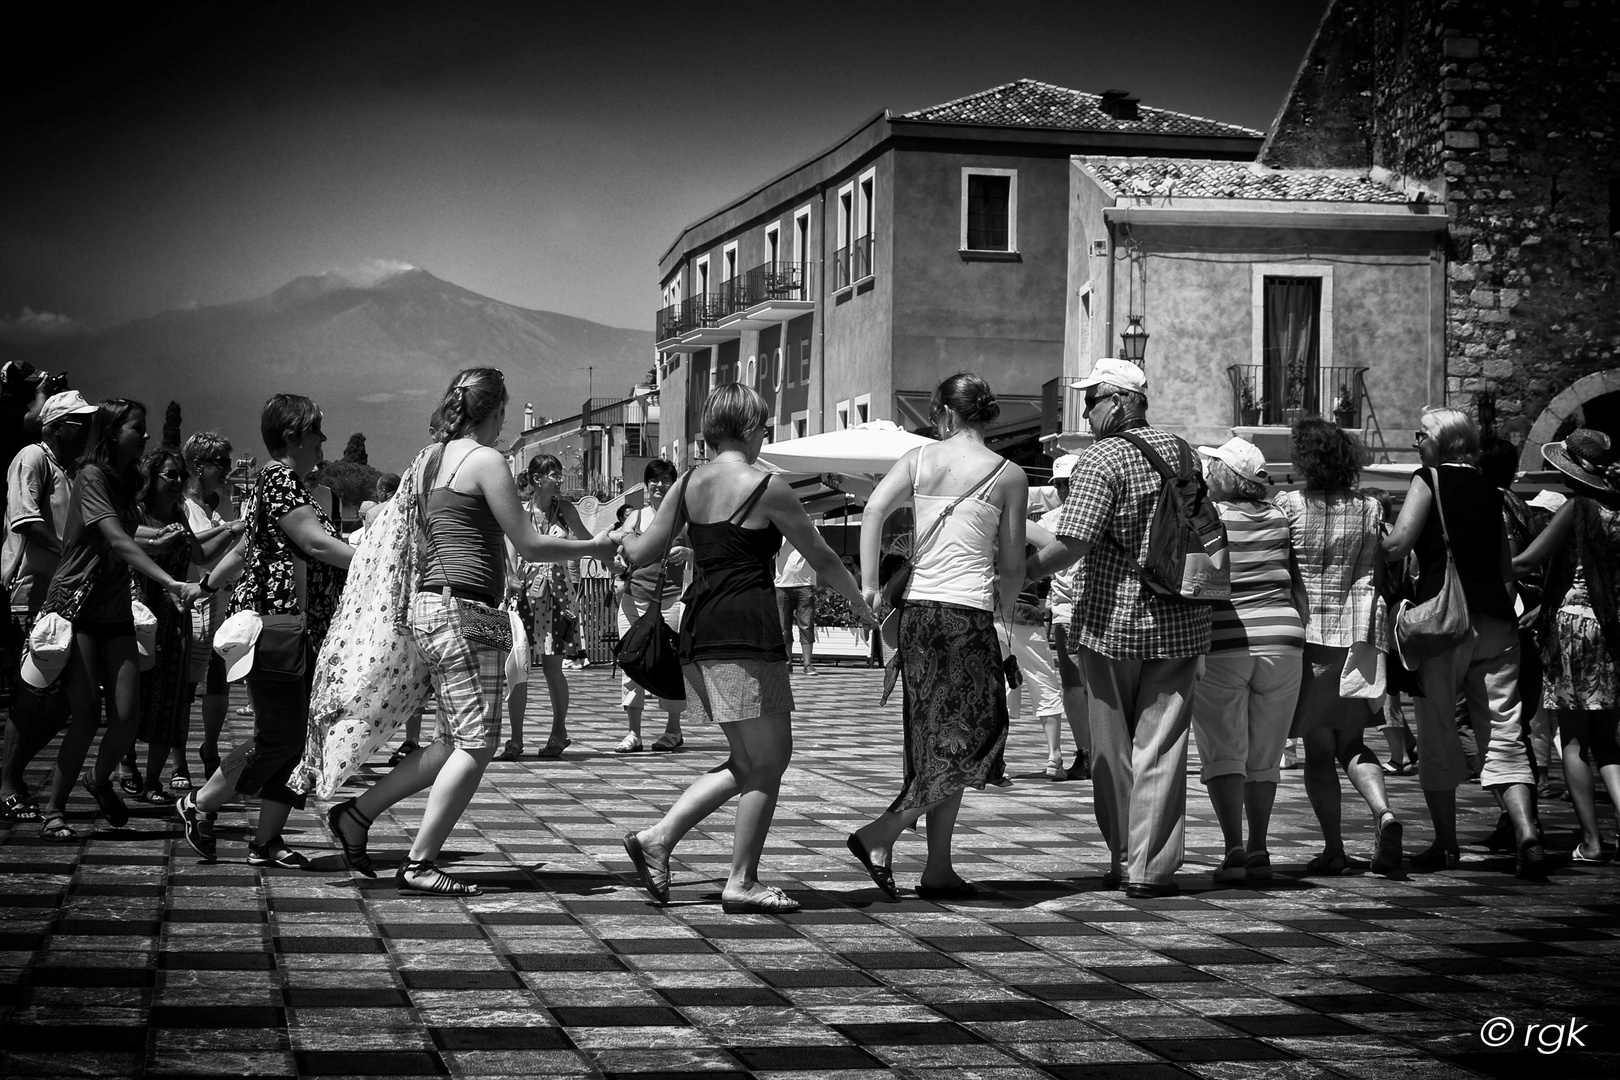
(542, 154)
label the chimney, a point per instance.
(528, 415)
(1119, 104)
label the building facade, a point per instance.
(919, 245)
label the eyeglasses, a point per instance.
(170, 475)
(1419, 436)
(658, 483)
(553, 476)
(1093, 401)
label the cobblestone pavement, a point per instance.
(124, 956)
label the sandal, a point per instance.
(129, 785)
(630, 744)
(276, 854)
(1258, 864)
(882, 876)
(657, 887)
(154, 797)
(355, 856)
(554, 747)
(107, 800)
(772, 901)
(1387, 859)
(405, 750)
(667, 742)
(961, 890)
(19, 807)
(1326, 865)
(510, 752)
(436, 883)
(179, 782)
(56, 829)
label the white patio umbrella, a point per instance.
(869, 449)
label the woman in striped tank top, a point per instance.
(1244, 703)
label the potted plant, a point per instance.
(1250, 406)
(1344, 409)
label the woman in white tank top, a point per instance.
(966, 566)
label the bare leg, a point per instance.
(84, 709)
(1226, 796)
(517, 703)
(453, 789)
(415, 774)
(1443, 813)
(880, 834)
(557, 687)
(272, 819)
(632, 720)
(1258, 798)
(938, 872)
(121, 674)
(1574, 729)
(156, 754)
(1322, 787)
(213, 721)
(1054, 738)
(1363, 770)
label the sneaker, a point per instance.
(1081, 769)
(199, 830)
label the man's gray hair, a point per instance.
(1132, 402)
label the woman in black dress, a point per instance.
(732, 653)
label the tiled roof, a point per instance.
(1173, 178)
(1027, 103)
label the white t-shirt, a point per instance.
(792, 568)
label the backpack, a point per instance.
(1187, 553)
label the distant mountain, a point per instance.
(375, 357)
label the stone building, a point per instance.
(1507, 113)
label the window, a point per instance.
(842, 275)
(843, 415)
(863, 408)
(804, 361)
(773, 243)
(990, 210)
(728, 261)
(801, 424)
(703, 276)
(865, 228)
(1291, 366)
(801, 235)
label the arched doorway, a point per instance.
(1592, 401)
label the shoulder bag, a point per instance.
(1441, 622)
(279, 655)
(649, 651)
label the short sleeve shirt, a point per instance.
(644, 579)
(1335, 540)
(92, 579)
(1112, 496)
(269, 581)
(37, 490)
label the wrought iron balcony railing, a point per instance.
(1263, 396)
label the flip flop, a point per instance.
(882, 876)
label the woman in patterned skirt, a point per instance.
(1579, 624)
(964, 568)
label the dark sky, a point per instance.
(543, 154)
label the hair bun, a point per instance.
(984, 408)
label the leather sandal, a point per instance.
(355, 856)
(107, 800)
(772, 901)
(882, 876)
(554, 747)
(56, 829)
(657, 887)
(510, 752)
(1327, 865)
(434, 881)
(18, 807)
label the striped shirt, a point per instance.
(1261, 618)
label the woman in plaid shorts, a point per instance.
(469, 507)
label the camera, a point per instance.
(1010, 672)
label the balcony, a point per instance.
(852, 263)
(690, 324)
(1336, 392)
(771, 293)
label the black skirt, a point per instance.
(955, 701)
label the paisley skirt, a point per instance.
(1581, 673)
(955, 701)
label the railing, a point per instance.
(1263, 396)
(766, 282)
(852, 263)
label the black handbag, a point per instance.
(280, 654)
(1442, 622)
(649, 652)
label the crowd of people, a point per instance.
(137, 590)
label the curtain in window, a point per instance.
(1292, 345)
(987, 212)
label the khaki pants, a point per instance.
(1141, 711)
(1484, 670)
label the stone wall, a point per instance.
(1509, 111)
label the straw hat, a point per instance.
(1587, 456)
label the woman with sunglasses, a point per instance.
(208, 460)
(543, 596)
(1484, 668)
(91, 589)
(641, 588)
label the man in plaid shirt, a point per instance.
(1140, 651)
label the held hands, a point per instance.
(167, 537)
(679, 554)
(606, 542)
(861, 608)
(186, 594)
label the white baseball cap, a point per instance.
(1242, 456)
(1115, 372)
(235, 641)
(49, 645)
(145, 634)
(67, 403)
(1063, 467)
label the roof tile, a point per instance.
(1027, 103)
(1191, 179)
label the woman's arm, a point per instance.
(1010, 560)
(1558, 532)
(892, 491)
(568, 514)
(785, 511)
(486, 469)
(303, 527)
(1409, 525)
(125, 547)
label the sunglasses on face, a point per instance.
(1093, 401)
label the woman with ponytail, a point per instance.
(469, 507)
